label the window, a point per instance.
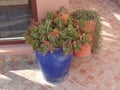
(15, 18)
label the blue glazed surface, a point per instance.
(55, 66)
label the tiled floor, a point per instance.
(97, 72)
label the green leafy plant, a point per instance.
(88, 20)
(59, 30)
(52, 33)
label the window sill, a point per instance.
(16, 49)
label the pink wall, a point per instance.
(49, 5)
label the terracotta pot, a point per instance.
(87, 48)
(90, 25)
(91, 38)
(84, 52)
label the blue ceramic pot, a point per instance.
(55, 66)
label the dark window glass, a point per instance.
(14, 18)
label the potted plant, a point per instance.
(52, 39)
(85, 44)
(90, 21)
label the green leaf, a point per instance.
(42, 38)
(49, 15)
(43, 49)
(35, 45)
(41, 29)
(47, 26)
(77, 46)
(86, 40)
(63, 34)
(87, 31)
(67, 50)
(82, 23)
(35, 35)
(52, 38)
(60, 23)
(70, 30)
(69, 20)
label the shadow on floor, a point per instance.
(24, 75)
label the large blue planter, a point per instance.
(55, 66)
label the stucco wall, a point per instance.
(49, 5)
